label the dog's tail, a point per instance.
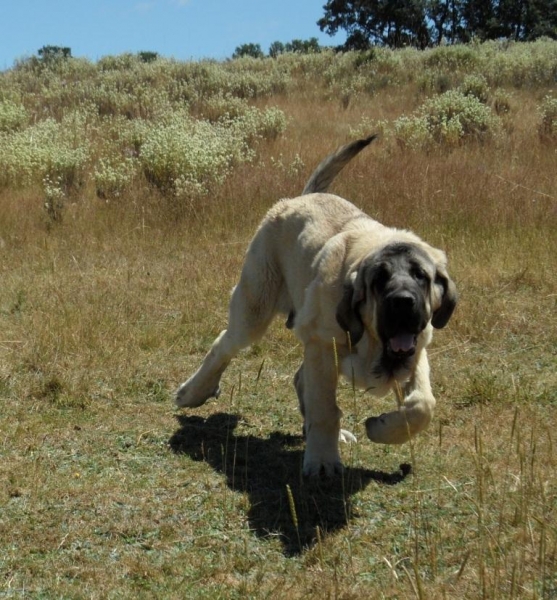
(331, 166)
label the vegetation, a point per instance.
(423, 23)
(253, 50)
(276, 48)
(129, 189)
(49, 53)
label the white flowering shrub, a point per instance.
(237, 113)
(12, 116)
(367, 126)
(412, 132)
(223, 107)
(255, 124)
(113, 176)
(548, 113)
(183, 126)
(449, 118)
(184, 155)
(519, 64)
(54, 196)
(477, 86)
(47, 148)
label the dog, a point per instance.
(362, 298)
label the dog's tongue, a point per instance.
(403, 342)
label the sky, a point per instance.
(180, 29)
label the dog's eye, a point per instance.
(419, 275)
(381, 277)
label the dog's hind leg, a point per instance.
(252, 308)
(299, 387)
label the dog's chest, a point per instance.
(364, 368)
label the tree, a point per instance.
(297, 46)
(147, 56)
(526, 20)
(275, 49)
(446, 20)
(480, 20)
(422, 23)
(50, 53)
(253, 50)
(303, 46)
(392, 23)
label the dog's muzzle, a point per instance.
(403, 319)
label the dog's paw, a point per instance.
(322, 464)
(388, 428)
(347, 437)
(188, 396)
(322, 469)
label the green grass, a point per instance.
(106, 491)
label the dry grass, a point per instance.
(106, 491)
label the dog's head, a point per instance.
(395, 292)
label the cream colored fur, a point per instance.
(300, 261)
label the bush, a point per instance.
(182, 155)
(452, 58)
(548, 112)
(447, 119)
(413, 132)
(50, 149)
(113, 176)
(476, 86)
(501, 101)
(12, 116)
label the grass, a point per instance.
(107, 491)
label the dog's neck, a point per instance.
(368, 366)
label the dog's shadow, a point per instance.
(269, 470)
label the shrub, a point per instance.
(12, 116)
(473, 117)
(368, 126)
(113, 176)
(434, 81)
(48, 148)
(452, 58)
(255, 124)
(476, 86)
(449, 118)
(183, 156)
(501, 101)
(224, 107)
(413, 132)
(548, 112)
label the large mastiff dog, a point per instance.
(362, 298)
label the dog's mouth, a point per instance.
(402, 345)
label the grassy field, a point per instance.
(117, 260)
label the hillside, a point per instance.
(129, 191)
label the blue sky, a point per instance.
(183, 29)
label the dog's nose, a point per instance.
(403, 301)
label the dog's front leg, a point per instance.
(413, 416)
(321, 413)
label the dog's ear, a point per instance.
(348, 309)
(445, 289)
